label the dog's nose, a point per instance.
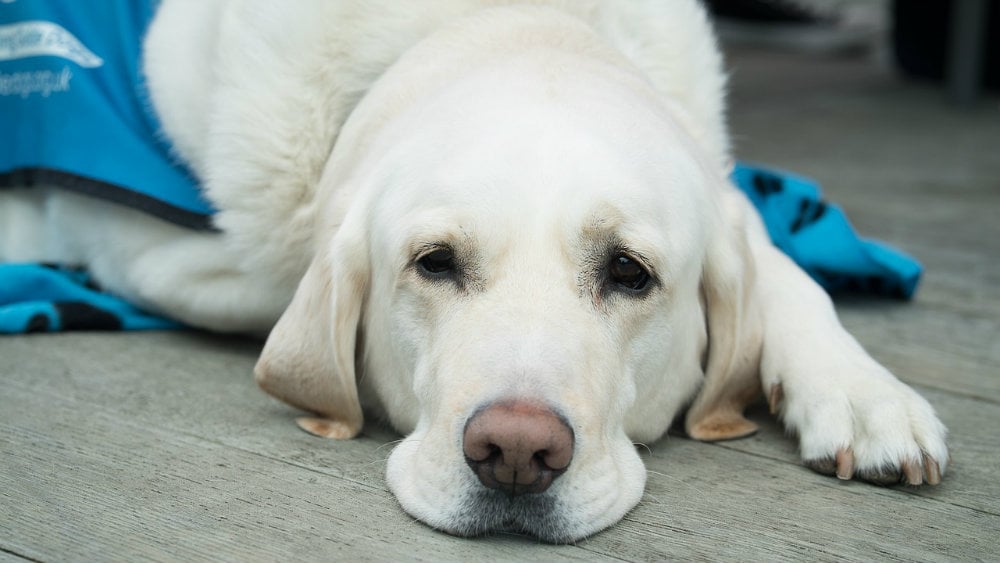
(517, 446)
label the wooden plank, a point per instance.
(87, 485)
(80, 484)
(950, 228)
(973, 441)
(928, 346)
(201, 385)
(697, 493)
(8, 557)
(709, 505)
(960, 281)
(191, 383)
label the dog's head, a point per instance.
(518, 276)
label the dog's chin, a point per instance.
(542, 516)
(453, 500)
(485, 512)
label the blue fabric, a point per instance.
(40, 298)
(74, 111)
(819, 238)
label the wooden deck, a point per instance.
(158, 447)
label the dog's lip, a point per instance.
(486, 512)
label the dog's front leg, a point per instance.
(853, 418)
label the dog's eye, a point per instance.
(437, 262)
(626, 272)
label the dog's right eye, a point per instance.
(438, 262)
(628, 273)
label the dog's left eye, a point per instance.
(437, 262)
(628, 273)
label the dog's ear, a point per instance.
(732, 379)
(309, 358)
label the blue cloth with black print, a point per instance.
(820, 239)
(50, 298)
(74, 114)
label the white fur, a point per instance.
(340, 140)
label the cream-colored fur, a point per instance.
(344, 141)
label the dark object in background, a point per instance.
(955, 42)
(796, 26)
(921, 39)
(764, 11)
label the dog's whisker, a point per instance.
(382, 447)
(647, 496)
(390, 444)
(643, 446)
(380, 461)
(672, 478)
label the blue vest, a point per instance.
(74, 111)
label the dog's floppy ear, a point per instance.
(732, 378)
(309, 358)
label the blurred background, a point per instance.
(952, 42)
(862, 96)
(858, 95)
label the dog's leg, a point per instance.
(197, 280)
(192, 277)
(187, 275)
(26, 234)
(852, 417)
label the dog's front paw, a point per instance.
(867, 425)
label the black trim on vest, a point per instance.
(29, 177)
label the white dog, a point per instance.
(512, 236)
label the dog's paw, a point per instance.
(867, 425)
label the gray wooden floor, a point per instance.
(158, 447)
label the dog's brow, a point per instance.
(603, 222)
(603, 234)
(425, 240)
(602, 231)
